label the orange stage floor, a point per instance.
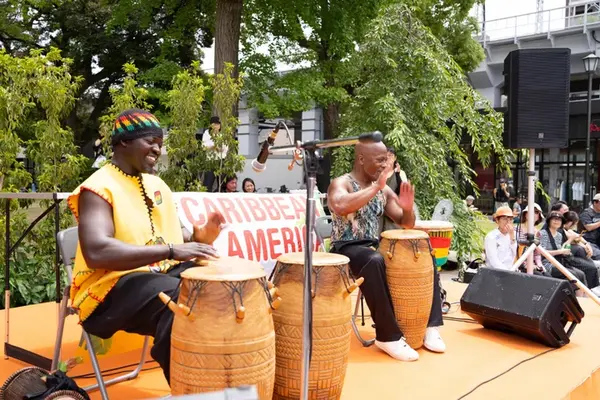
(474, 355)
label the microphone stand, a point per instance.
(311, 166)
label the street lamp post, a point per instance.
(590, 63)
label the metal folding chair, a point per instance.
(67, 244)
(323, 230)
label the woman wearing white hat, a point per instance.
(500, 244)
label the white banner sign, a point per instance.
(260, 227)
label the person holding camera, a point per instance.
(501, 195)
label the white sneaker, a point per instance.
(400, 350)
(433, 341)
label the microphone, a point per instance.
(375, 136)
(259, 163)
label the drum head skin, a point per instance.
(320, 259)
(401, 234)
(433, 226)
(226, 269)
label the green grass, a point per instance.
(486, 225)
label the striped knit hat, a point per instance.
(133, 124)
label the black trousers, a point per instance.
(369, 264)
(133, 306)
(584, 269)
(209, 181)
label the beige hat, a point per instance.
(596, 197)
(536, 207)
(503, 211)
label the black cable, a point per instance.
(505, 372)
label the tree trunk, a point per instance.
(331, 119)
(227, 36)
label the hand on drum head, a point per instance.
(188, 251)
(406, 199)
(209, 232)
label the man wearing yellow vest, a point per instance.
(131, 244)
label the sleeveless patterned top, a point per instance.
(361, 224)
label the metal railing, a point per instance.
(574, 16)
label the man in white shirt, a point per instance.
(500, 244)
(213, 152)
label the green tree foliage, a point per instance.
(319, 37)
(53, 149)
(184, 102)
(316, 35)
(38, 87)
(124, 97)
(450, 22)
(226, 93)
(415, 92)
(15, 103)
(102, 35)
(187, 158)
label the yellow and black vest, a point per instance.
(137, 222)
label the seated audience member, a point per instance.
(521, 235)
(579, 246)
(590, 218)
(131, 245)
(500, 244)
(357, 201)
(248, 186)
(469, 202)
(517, 209)
(229, 185)
(560, 207)
(552, 240)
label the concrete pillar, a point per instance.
(248, 130)
(312, 124)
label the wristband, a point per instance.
(171, 251)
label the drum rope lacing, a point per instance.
(414, 244)
(264, 285)
(344, 276)
(282, 267)
(197, 287)
(236, 287)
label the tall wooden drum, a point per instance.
(409, 266)
(331, 285)
(440, 237)
(223, 333)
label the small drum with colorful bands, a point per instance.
(440, 237)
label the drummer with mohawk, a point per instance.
(357, 201)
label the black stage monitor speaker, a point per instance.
(532, 306)
(537, 84)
